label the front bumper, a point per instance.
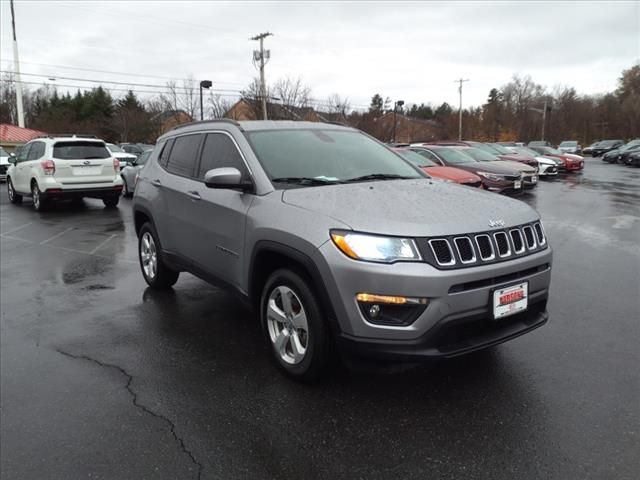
(459, 307)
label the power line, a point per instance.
(91, 80)
(84, 87)
(68, 67)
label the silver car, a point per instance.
(338, 243)
(130, 172)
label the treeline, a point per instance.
(511, 112)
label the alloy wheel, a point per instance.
(10, 190)
(287, 325)
(149, 255)
(35, 195)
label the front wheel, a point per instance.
(155, 272)
(125, 189)
(13, 196)
(295, 327)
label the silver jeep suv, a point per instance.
(338, 243)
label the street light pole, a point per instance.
(544, 118)
(397, 104)
(203, 84)
(460, 82)
(17, 69)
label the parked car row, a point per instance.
(625, 154)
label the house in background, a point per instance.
(168, 120)
(12, 137)
(249, 109)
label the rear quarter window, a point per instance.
(80, 150)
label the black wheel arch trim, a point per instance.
(311, 269)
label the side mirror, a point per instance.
(12, 159)
(226, 177)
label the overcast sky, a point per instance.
(410, 51)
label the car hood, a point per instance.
(4, 160)
(451, 173)
(516, 157)
(415, 208)
(546, 160)
(521, 167)
(498, 166)
(126, 156)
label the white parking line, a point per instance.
(72, 250)
(102, 244)
(56, 236)
(17, 228)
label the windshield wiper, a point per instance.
(305, 181)
(379, 176)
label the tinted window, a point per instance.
(80, 150)
(325, 155)
(479, 155)
(3, 153)
(114, 148)
(22, 154)
(36, 151)
(182, 159)
(428, 155)
(220, 151)
(164, 155)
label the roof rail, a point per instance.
(216, 120)
(66, 135)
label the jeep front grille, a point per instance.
(482, 247)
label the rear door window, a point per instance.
(164, 154)
(220, 151)
(36, 151)
(184, 155)
(80, 150)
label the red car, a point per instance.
(571, 162)
(434, 170)
(494, 149)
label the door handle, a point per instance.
(193, 195)
(156, 183)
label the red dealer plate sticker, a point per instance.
(510, 300)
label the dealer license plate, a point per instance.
(87, 170)
(534, 179)
(510, 300)
(517, 184)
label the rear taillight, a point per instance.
(116, 165)
(48, 166)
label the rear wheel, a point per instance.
(39, 203)
(111, 202)
(13, 196)
(125, 188)
(155, 272)
(295, 326)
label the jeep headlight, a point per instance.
(375, 248)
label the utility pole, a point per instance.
(460, 82)
(260, 56)
(17, 69)
(544, 118)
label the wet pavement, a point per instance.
(103, 378)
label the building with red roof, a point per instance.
(12, 136)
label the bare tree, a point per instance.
(338, 107)
(185, 97)
(217, 106)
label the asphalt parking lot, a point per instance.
(103, 378)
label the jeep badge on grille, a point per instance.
(496, 223)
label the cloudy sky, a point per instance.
(411, 51)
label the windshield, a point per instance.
(114, 148)
(454, 156)
(486, 148)
(417, 159)
(550, 150)
(326, 155)
(501, 150)
(569, 143)
(80, 150)
(479, 155)
(3, 153)
(608, 143)
(631, 144)
(527, 151)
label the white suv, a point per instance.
(56, 168)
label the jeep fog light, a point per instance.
(391, 310)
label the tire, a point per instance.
(304, 355)
(13, 196)
(155, 272)
(39, 204)
(111, 202)
(125, 189)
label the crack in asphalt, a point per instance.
(134, 395)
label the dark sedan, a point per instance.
(619, 155)
(633, 159)
(606, 146)
(495, 177)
